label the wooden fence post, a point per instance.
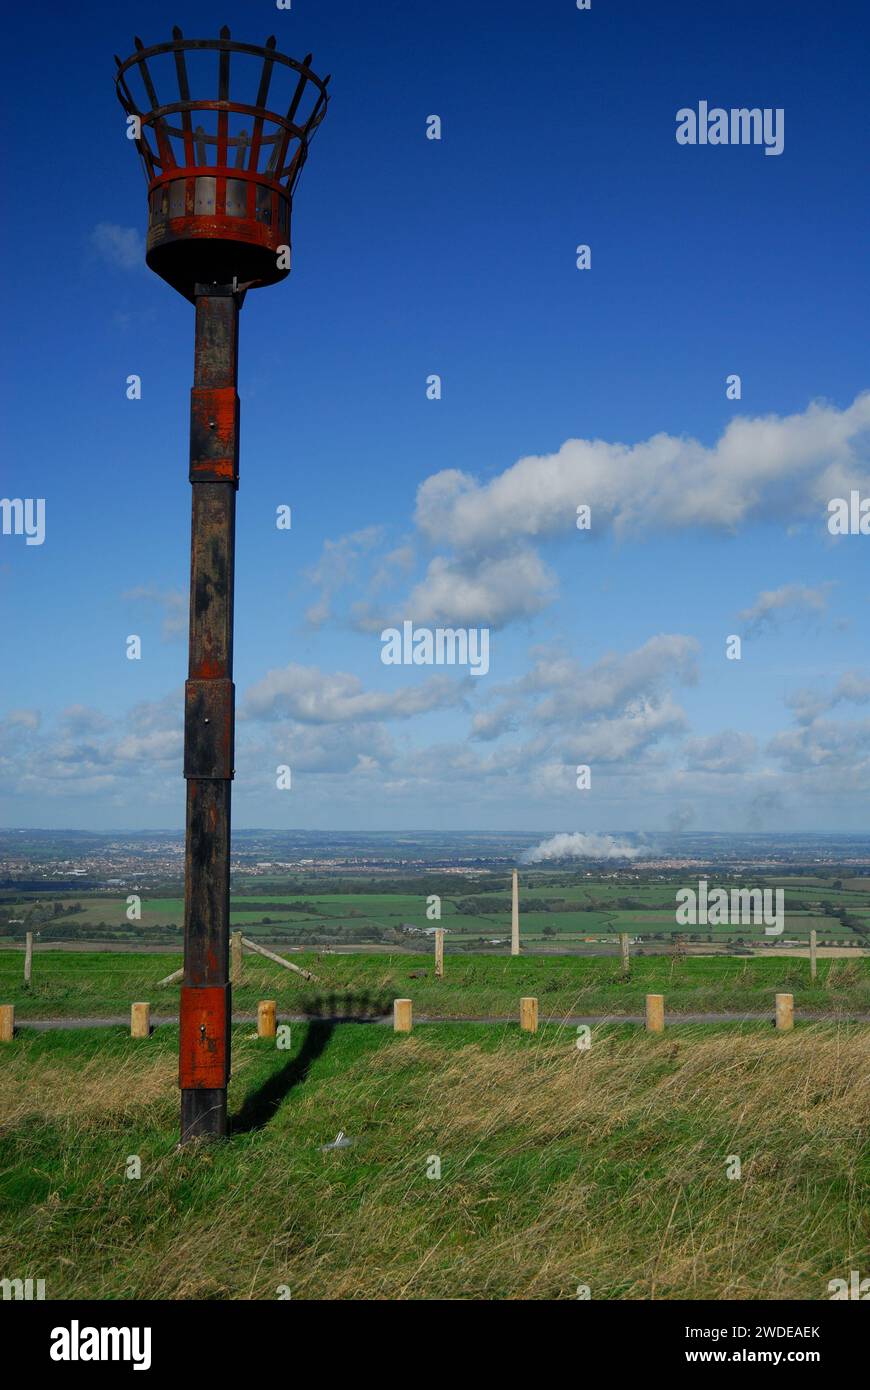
(171, 979)
(279, 960)
(784, 1011)
(7, 1022)
(267, 1021)
(529, 1014)
(140, 1020)
(623, 946)
(236, 957)
(439, 952)
(655, 1013)
(28, 958)
(403, 1015)
(813, 958)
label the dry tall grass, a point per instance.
(559, 1167)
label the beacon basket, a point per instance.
(221, 172)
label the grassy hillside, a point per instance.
(94, 984)
(558, 1167)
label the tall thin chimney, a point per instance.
(515, 914)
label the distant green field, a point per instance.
(371, 903)
(471, 911)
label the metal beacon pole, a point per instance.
(221, 174)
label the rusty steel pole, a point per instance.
(206, 1009)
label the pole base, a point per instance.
(203, 1115)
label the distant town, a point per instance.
(107, 860)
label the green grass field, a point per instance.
(474, 910)
(95, 984)
(607, 1168)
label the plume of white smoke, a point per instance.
(580, 846)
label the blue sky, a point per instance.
(414, 256)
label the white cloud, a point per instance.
(163, 714)
(21, 719)
(620, 738)
(119, 246)
(173, 603)
(82, 719)
(486, 568)
(159, 745)
(852, 688)
(772, 604)
(724, 752)
(615, 679)
(582, 846)
(819, 743)
(490, 591)
(560, 692)
(766, 468)
(825, 743)
(337, 567)
(312, 696)
(356, 748)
